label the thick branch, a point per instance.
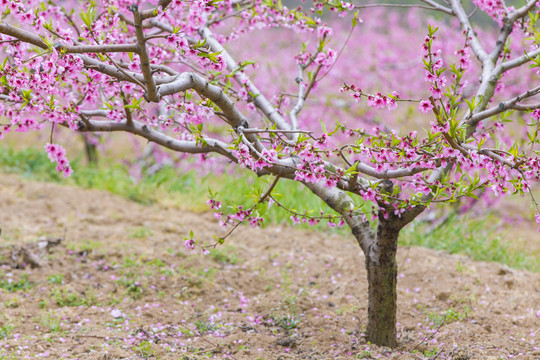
(477, 48)
(505, 105)
(303, 93)
(160, 138)
(438, 6)
(490, 76)
(28, 37)
(508, 26)
(152, 92)
(259, 99)
(22, 35)
(190, 80)
(388, 174)
(525, 58)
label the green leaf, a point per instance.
(514, 150)
(88, 17)
(355, 19)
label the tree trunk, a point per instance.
(382, 279)
(380, 250)
(91, 151)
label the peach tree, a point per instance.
(161, 70)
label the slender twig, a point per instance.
(273, 131)
(362, 6)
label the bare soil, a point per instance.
(120, 284)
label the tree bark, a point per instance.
(381, 267)
(380, 249)
(91, 151)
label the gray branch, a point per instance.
(259, 99)
(506, 105)
(28, 37)
(137, 128)
(432, 5)
(152, 92)
(388, 174)
(460, 13)
(439, 7)
(508, 26)
(525, 58)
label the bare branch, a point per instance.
(477, 48)
(137, 128)
(190, 80)
(303, 93)
(388, 174)
(506, 105)
(300, 102)
(259, 99)
(257, 131)
(111, 70)
(492, 154)
(524, 10)
(22, 35)
(525, 58)
(526, 107)
(92, 113)
(152, 93)
(113, 48)
(439, 8)
(30, 38)
(508, 26)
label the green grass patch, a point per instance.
(6, 329)
(64, 297)
(225, 255)
(11, 285)
(480, 239)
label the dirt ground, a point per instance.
(120, 284)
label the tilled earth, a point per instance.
(88, 275)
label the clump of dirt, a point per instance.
(30, 254)
(122, 285)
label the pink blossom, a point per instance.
(295, 219)
(425, 106)
(189, 244)
(436, 92)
